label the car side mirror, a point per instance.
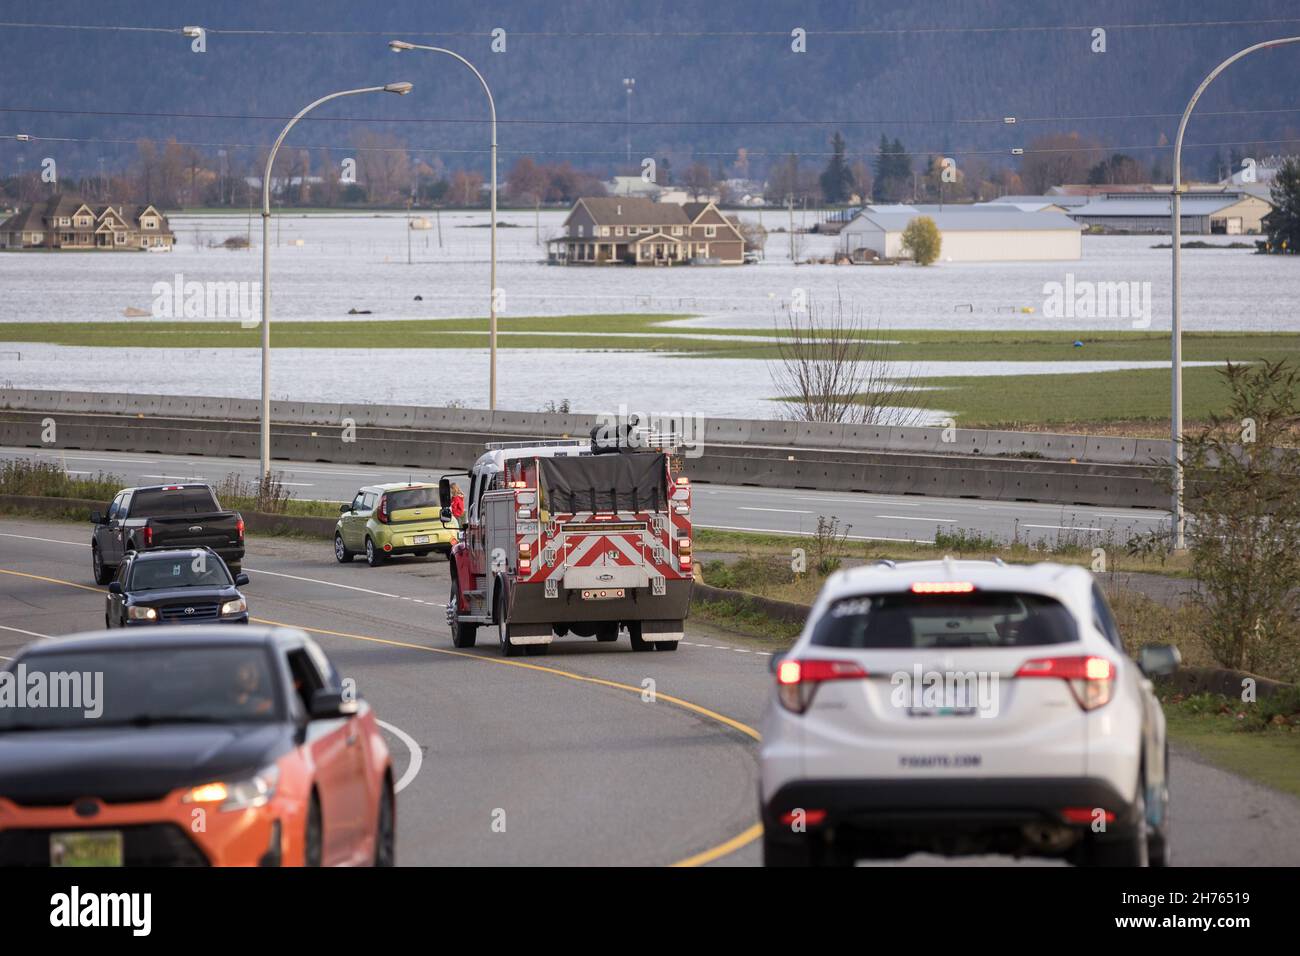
(344, 509)
(327, 704)
(115, 587)
(97, 517)
(774, 662)
(1159, 660)
(444, 492)
(241, 579)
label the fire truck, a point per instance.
(573, 537)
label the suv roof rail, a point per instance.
(886, 562)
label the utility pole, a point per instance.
(629, 84)
(789, 201)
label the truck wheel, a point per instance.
(634, 632)
(374, 557)
(341, 553)
(537, 650)
(666, 645)
(102, 574)
(462, 635)
(503, 634)
(607, 632)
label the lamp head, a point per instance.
(401, 89)
(397, 46)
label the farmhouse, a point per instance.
(637, 231)
(991, 233)
(67, 222)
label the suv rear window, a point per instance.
(413, 498)
(164, 504)
(980, 619)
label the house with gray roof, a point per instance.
(606, 230)
(69, 222)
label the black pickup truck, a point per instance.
(164, 516)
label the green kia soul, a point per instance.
(384, 520)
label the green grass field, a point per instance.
(1024, 399)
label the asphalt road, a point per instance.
(586, 771)
(871, 517)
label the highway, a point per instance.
(870, 517)
(585, 769)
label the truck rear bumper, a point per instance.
(532, 606)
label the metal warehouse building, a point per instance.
(1221, 213)
(990, 233)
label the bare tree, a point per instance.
(833, 367)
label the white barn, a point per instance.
(969, 233)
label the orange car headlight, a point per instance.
(244, 794)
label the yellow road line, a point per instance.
(37, 577)
(699, 859)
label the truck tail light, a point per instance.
(797, 681)
(148, 537)
(381, 512)
(1091, 679)
(239, 529)
(683, 545)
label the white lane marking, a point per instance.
(763, 653)
(1136, 516)
(19, 630)
(914, 518)
(1064, 527)
(809, 534)
(417, 759)
(28, 537)
(299, 484)
(892, 504)
(780, 511)
(330, 584)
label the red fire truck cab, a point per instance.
(569, 537)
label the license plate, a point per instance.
(941, 711)
(420, 539)
(86, 848)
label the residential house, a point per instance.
(68, 222)
(636, 231)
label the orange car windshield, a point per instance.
(179, 684)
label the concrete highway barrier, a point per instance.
(1065, 469)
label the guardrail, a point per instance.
(769, 455)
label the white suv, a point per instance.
(962, 707)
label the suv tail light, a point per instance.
(1091, 679)
(797, 681)
(381, 511)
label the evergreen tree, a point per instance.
(837, 179)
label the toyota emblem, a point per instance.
(189, 610)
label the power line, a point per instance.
(991, 120)
(680, 34)
(781, 154)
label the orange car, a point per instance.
(236, 746)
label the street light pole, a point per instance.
(629, 84)
(398, 88)
(398, 46)
(1176, 359)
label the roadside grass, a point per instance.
(1259, 740)
(47, 479)
(1065, 546)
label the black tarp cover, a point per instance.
(618, 482)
